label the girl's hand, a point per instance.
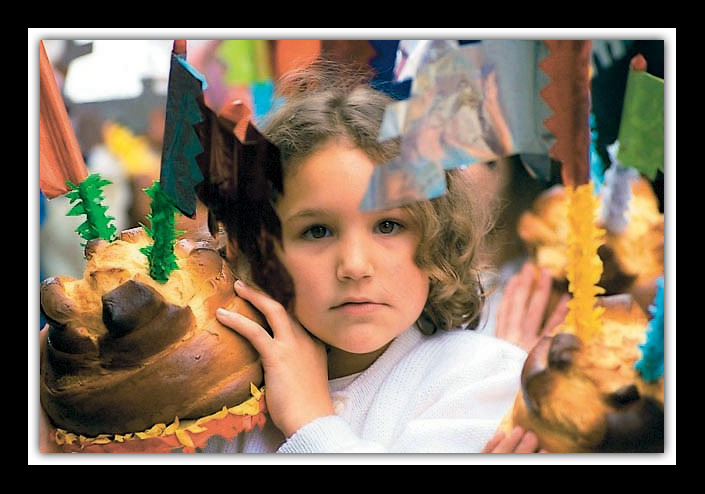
(518, 441)
(523, 306)
(295, 364)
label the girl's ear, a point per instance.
(426, 324)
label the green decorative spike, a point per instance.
(162, 260)
(88, 196)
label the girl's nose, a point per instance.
(354, 260)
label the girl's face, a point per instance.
(357, 286)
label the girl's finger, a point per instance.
(504, 307)
(492, 443)
(558, 315)
(528, 444)
(246, 327)
(273, 311)
(537, 303)
(521, 293)
(509, 443)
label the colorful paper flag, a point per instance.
(568, 95)
(60, 157)
(246, 60)
(468, 104)
(179, 170)
(242, 171)
(641, 127)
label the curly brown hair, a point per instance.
(328, 101)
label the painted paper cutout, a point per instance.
(568, 95)
(179, 171)
(641, 127)
(246, 60)
(60, 157)
(468, 104)
(290, 54)
(242, 172)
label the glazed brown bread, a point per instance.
(632, 259)
(125, 352)
(585, 396)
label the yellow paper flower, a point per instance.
(584, 264)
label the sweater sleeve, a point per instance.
(330, 434)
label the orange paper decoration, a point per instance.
(290, 54)
(568, 95)
(60, 157)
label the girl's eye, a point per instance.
(387, 227)
(316, 231)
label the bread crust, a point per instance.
(125, 352)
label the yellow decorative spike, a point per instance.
(584, 266)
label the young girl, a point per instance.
(370, 355)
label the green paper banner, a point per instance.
(641, 127)
(247, 61)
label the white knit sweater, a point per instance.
(444, 393)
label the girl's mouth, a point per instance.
(357, 308)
